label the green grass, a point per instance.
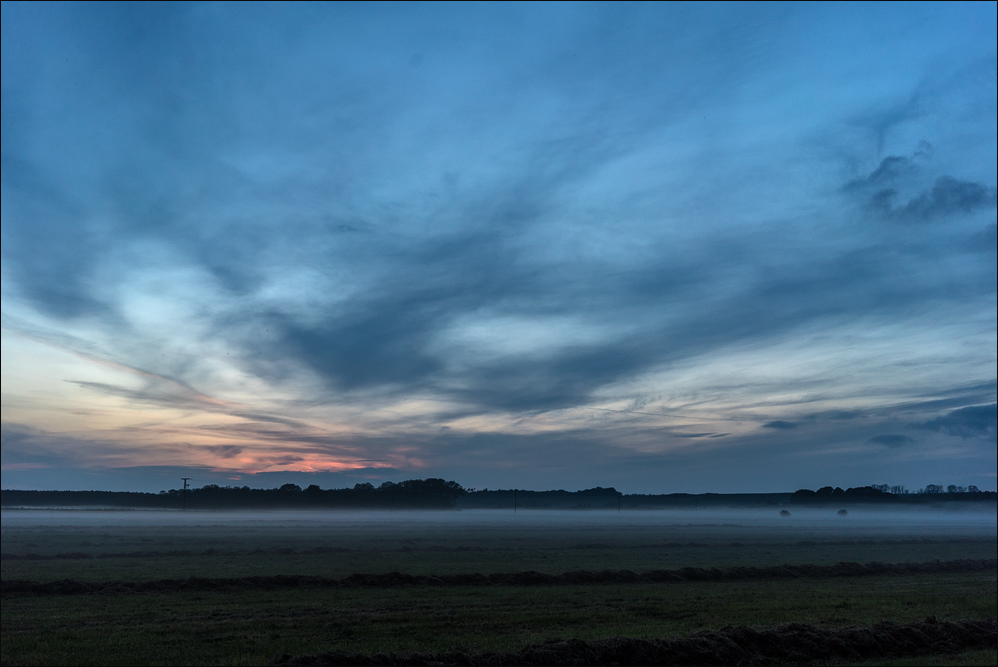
(252, 627)
(227, 551)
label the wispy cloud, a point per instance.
(421, 236)
(976, 421)
(892, 440)
(781, 425)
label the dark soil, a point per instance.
(14, 588)
(732, 645)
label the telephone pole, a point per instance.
(184, 495)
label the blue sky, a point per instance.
(696, 247)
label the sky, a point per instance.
(661, 247)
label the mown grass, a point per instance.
(253, 627)
(229, 551)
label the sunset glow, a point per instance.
(664, 247)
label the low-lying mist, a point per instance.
(952, 520)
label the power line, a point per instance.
(184, 494)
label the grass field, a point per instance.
(255, 626)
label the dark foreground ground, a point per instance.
(787, 644)
(146, 588)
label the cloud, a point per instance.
(166, 392)
(985, 241)
(28, 447)
(20, 448)
(948, 195)
(891, 440)
(296, 238)
(225, 451)
(975, 421)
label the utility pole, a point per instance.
(184, 496)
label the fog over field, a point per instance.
(245, 587)
(971, 519)
(338, 330)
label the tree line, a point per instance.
(435, 493)
(430, 493)
(882, 493)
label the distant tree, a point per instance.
(364, 486)
(784, 513)
(842, 512)
(868, 494)
(973, 489)
(932, 489)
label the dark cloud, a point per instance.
(948, 195)
(54, 255)
(933, 399)
(25, 447)
(891, 169)
(918, 401)
(841, 415)
(976, 421)
(225, 451)
(20, 447)
(986, 240)
(384, 338)
(280, 460)
(345, 188)
(891, 440)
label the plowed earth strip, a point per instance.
(16, 588)
(732, 645)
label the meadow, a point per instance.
(256, 622)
